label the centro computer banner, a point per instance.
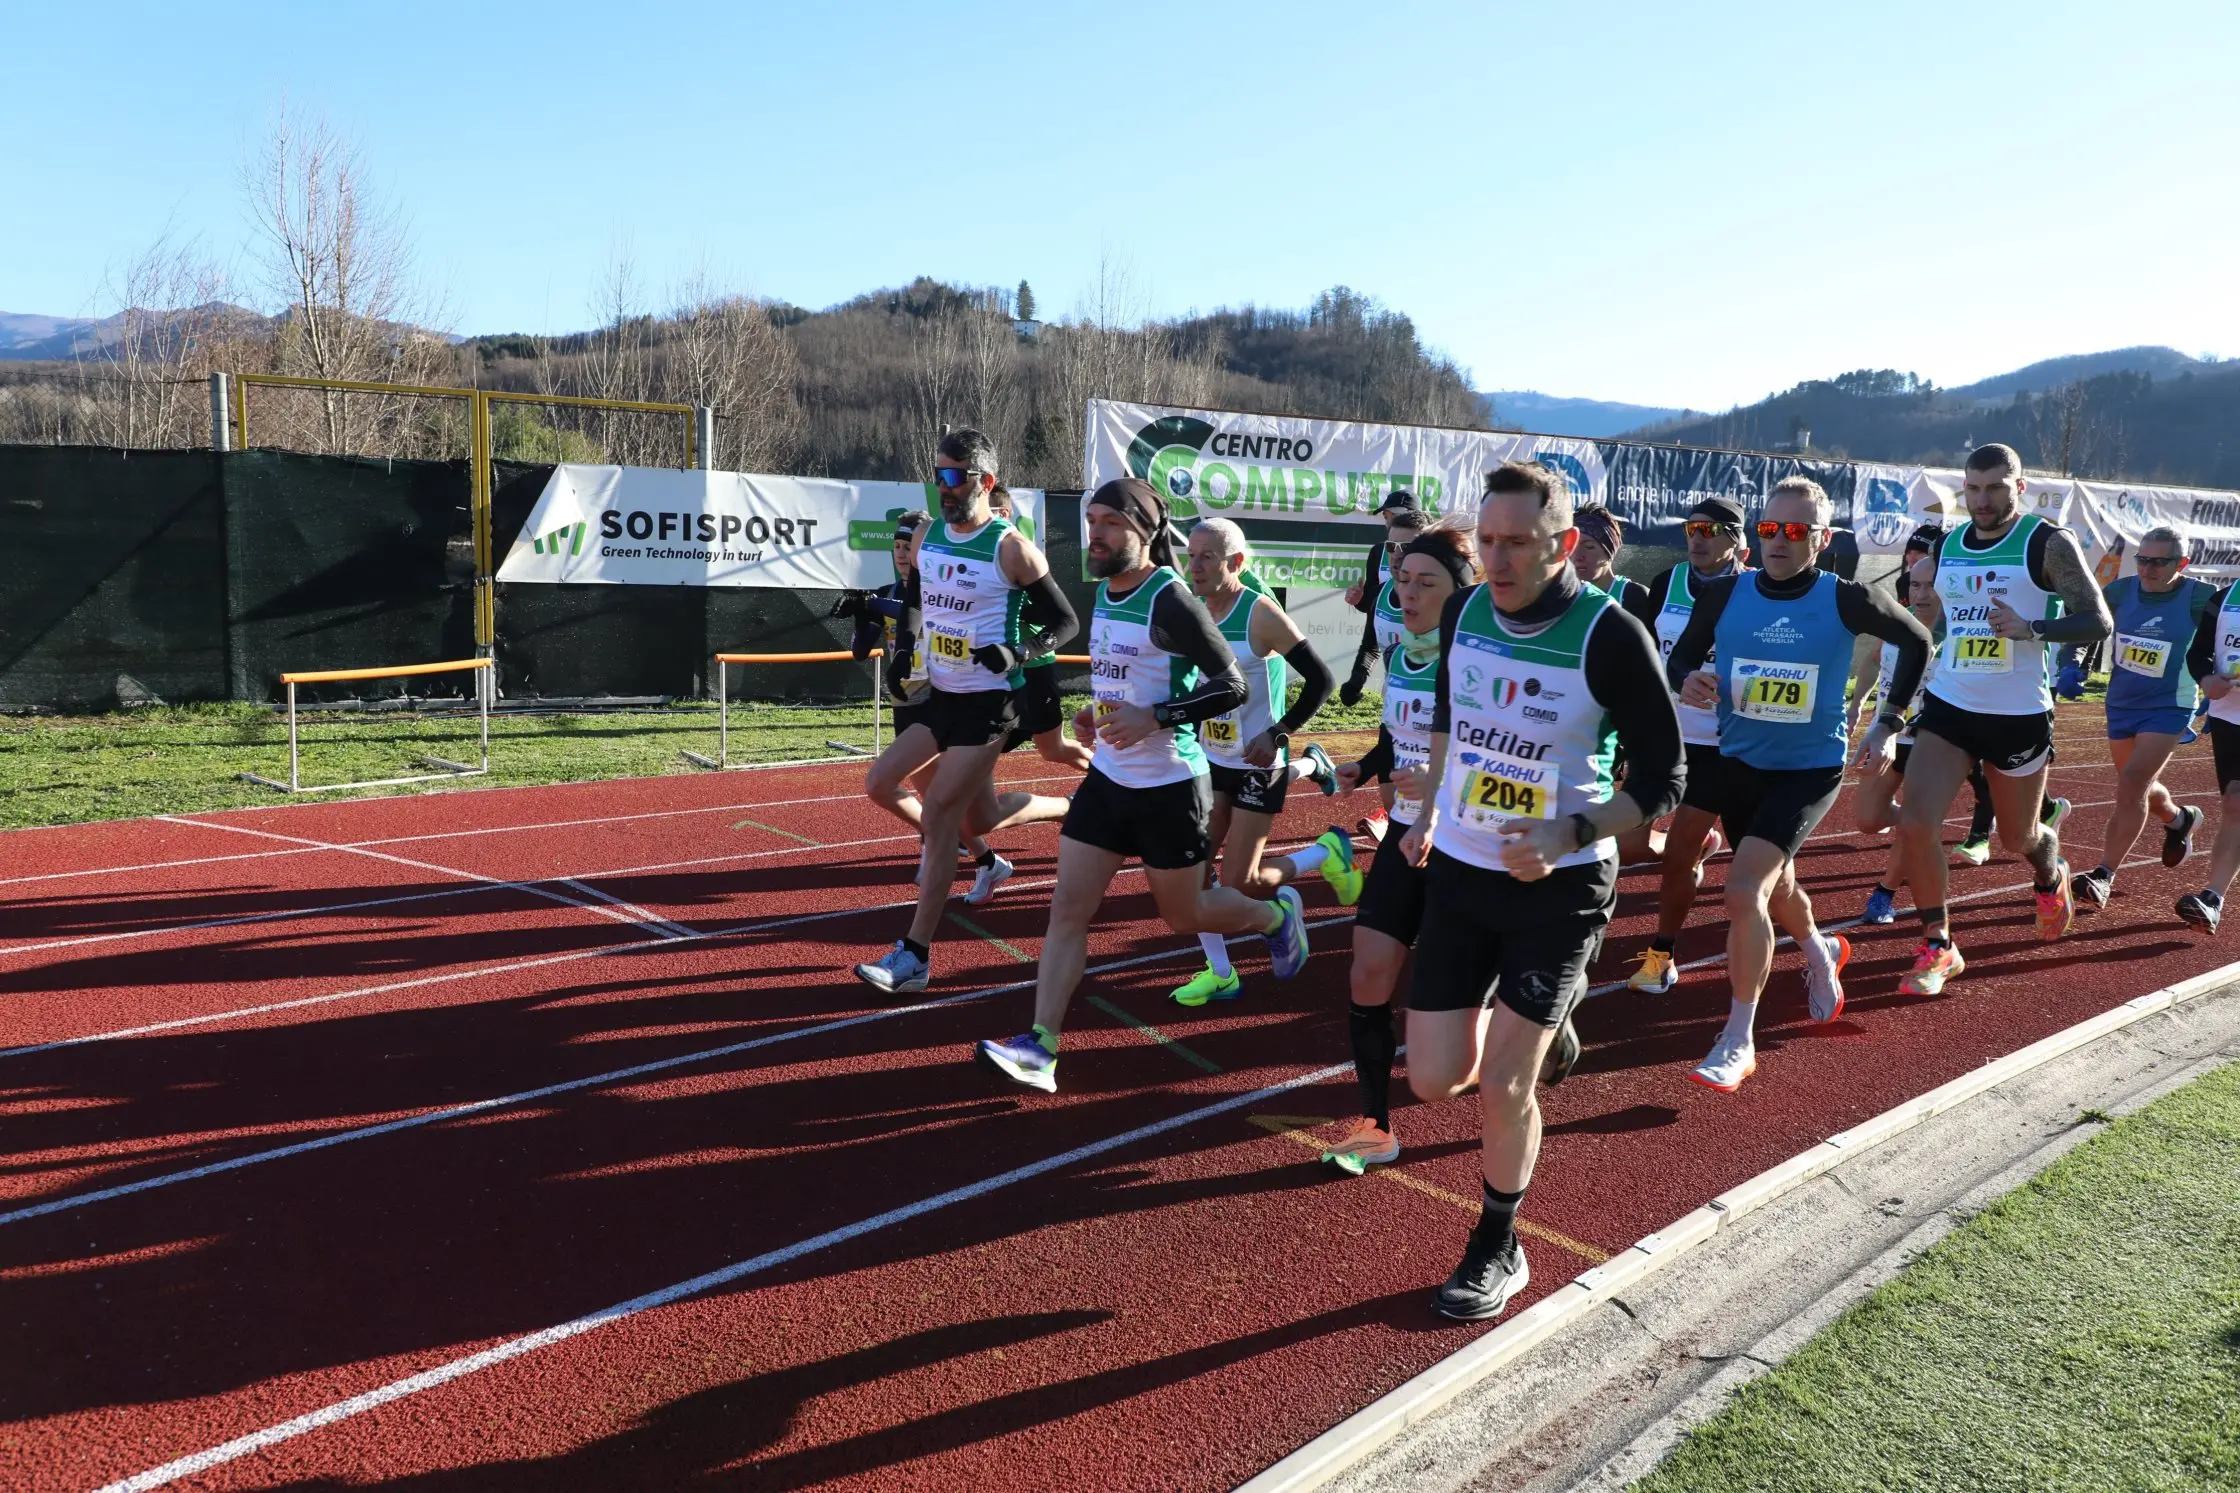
(651, 526)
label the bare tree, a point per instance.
(720, 349)
(171, 326)
(2073, 436)
(935, 387)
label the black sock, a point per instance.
(1888, 891)
(1374, 1042)
(2212, 899)
(1497, 1225)
(2103, 872)
(1979, 823)
(919, 949)
(985, 858)
(1662, 944)
(1933, 917)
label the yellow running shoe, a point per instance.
(1656, 973)
(1205, 986)
(1338, 869)
(1366, 1143)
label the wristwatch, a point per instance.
(1162, 713)
(1892, 719)
(1278, 737)
(1583, 831)
(2037, 627)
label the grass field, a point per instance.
(2083, 1333)
(172, 760)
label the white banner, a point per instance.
(652, 526)
(1215, 463)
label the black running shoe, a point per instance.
(2177, 839)
(1563, 1055)
(2200, 914)
(1482, 1284)
(2091, 889)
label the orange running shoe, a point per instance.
(1932, 966)
(1366, 1142)
(2057, 909)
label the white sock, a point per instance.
(1301, 767)
(1217, 953)
(1308, 858)
(1742, 1017)
(1816, 951)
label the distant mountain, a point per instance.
(34, 336)
(1551, 414)
(2154, 362)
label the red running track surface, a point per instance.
(301, 1102)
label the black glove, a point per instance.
(1349, 693)
(851, 604)
(898, 678)
(996, 658)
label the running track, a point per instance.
(536, 1137)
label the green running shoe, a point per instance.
(1205, 986)
(1338, 869)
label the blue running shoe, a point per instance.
(2193, 727)
(1287, 946)
(1321, 769)
(1022, 1059)
(1882, 907)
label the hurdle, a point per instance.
(446, 768)
(721, 761)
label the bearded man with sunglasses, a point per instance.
(1715, 550)
(985, 603)
(1784, 638)
(2012, 586)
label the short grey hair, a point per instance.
(968, 448)
(1823, 507)
(2165, 533)
(1226, 531)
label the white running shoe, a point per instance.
(985, 882)
(1727, 1066)
(1823, 976)
(897, 971)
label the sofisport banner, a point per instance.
(652, 526)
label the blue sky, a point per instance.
(1678, 204)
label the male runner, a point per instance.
(988, 602)
(1601, 536)
(1041, 708)
(1540, 678)
(2010, 584)
(1248, 750)
(2151, 699)
(2213, 659)
(1373, 596)
(1160, 668)
(1715, 549)
(1784, 636)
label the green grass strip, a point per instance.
(2082, 1333)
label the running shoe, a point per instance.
(1823, 977)
(985, 882)
(1366, 1144)
(2091, 889)
(1022, 1059)
(1338, 868)
(2200, 913)
(2193, 728)
(2057, 909)
(2177, 839)
(1287, 945)
(897, 971)
(1656, 974)
(1374, 825)
(1482, 1284)
(1205, 986)
(1933, 964)
(1727, 1066)
(2053, 811)
(1975, 852)
(1321, 768)
(1882, 907)
(1563, 1055)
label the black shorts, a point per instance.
(911, 714)
(1487, 936)
(1039, 707)
(1898, 759)
(1392, 896)
(968, 720)
(1257, 790)
(1781, 806)
(1706, 787)
(2011, 745)
(2224, 745)
(1166, 827)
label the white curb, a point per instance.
(1359, 1434)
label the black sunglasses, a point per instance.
(953, 476)
(2160, 559)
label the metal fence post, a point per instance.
(295, 779)
(704, 429)
(221, 415)
(878, 659)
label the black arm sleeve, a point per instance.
(1180, 624)
(2201, 654)
(1315, 684)
(1642, 604)
(1871, 612)
(1624, 677)
(906, 628)
(1046, 618)
(1449, 615)
(1703, 623)
(1371, 581)
(1377, 762)
(1366, 649)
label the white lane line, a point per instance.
(459, 1368)
(532, 888)
(199, 860)
(595, 1080)
(638, 915)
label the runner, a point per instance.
(2151, 700)
(1041, 708)
(1373, 596)
(2010, 584)
(1715, 549)
(1437, 564)
(1159, 668)
(1784, 637)
(1248, 750)
(1538, 677)
(1601, 536)
(2213, 659)
(988, 601)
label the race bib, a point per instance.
(1502, 791)
(1106, 707)
(1221, 731)
(1403, 758)
(1775, 692)
(2148, 656)
(954, 646)
(1982, 653)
